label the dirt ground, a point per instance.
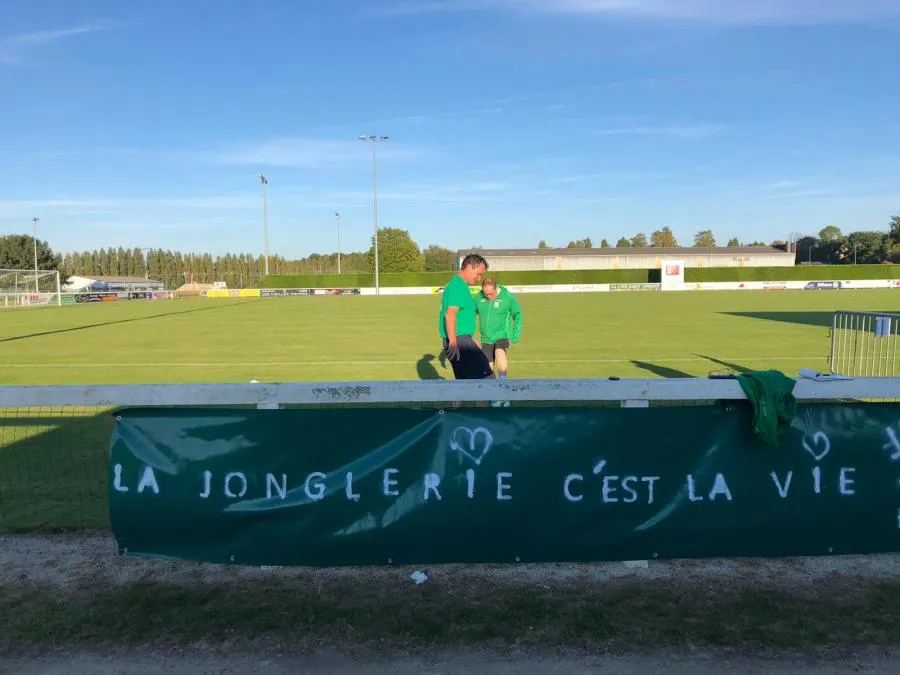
(70, 563)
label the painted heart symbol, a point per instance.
(466, 442)
(818, 446)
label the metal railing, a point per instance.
(865, 344)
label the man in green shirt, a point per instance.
(500, 323)
(457, 322)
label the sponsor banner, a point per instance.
(824, 285)
(38, 299)
(592, 288)
(635, 287)
(96, 297)
(298, 292)
(284, 292)
(233, 293)
(379, 486)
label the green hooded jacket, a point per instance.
(500, 318)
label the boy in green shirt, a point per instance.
(457, 322)
(500, 323)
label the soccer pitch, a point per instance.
(636, 334)
(356, 338)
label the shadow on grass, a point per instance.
(736, 367)
(822, 319)
(425, 368)
(74, 329)
(53, 471)
(660, 371)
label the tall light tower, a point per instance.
(265, 181)
(375, 140)
(338, 216)
(34, 224)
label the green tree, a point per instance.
(581, 243)
(639, 240)
(17, 253)
(604, 243)
(623, 243)
(542, 244)
(733, 242)
(397, 252)
(663, 238)
(895, 230)
(705, 239)
(830, 234)
(439, 259)
(867, 248)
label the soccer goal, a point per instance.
(29, 288)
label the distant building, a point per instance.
(520, 260)
(77, 284)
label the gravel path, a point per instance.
(325, 663)
(68, 561)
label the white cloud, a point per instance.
(691, 131)
(305, 153)
(706, 11)
(781, 185)
(14, 47)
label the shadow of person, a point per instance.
(425, 367)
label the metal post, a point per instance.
(265, 182)
(338, 216)
(374, 140)
(34, 222)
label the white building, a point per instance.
(520, 260)
(77, 284)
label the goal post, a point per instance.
(30, 288)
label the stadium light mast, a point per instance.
(337, 215)
(265, 181)
(34, 224)
(375, 140)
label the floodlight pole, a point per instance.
(34, 223)
(265, 181)
(374, 140)
(338, 216)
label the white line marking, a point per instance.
(412, 360)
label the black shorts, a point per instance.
(471, 364)
(489, 349)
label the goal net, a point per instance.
(29, 288)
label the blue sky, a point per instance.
(511, 121)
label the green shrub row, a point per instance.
(799, 273)
(543, 277)
(532, 278)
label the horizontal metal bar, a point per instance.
(288, 393)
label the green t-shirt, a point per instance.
(457, 294)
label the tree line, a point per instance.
(830, 247)
(398, 252)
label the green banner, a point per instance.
(399, 486)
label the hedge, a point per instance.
(531, 278)
(547, 277)
(799, 273)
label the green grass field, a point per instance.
(52, 462)
(53, 472)
(390, 338)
